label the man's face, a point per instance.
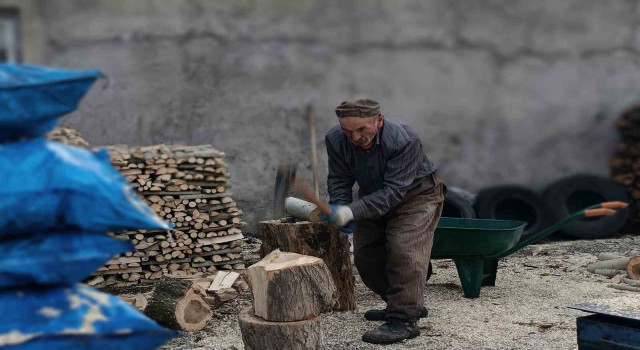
(361, 131)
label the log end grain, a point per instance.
(633, 268)
(259, 334)
(178, 304)
(291, 287)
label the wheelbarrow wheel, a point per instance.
(573, 193)
(512, 203)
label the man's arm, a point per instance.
(398, 177)
(340, 180)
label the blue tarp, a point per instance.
(74, 317)
(48, 186)
(55, 258)
(32, 98)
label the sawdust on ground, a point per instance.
(526, 310)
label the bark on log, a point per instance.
(291, 287)
(624, 287)
(631, 282)
(608, 256)
(321, 240)
(136, 300)
(633, 268)
(258, 334)
(608, 272)
(177, 304)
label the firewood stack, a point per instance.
(188, 186)
(67, 136)
(620, 268)
(625, 164)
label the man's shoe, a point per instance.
(378, 314)
(392, 331)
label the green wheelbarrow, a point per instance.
(476, 245)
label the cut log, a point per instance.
(137, 300)
(624, 287)
(209, 241)
(223, 279)
(125, 260)
(177, 304)
(608, 256)
(608, 272)
(321, 240)
(633, 268)
(226, 294)
(302, 210)
(118, 272)
(291, 287)
(616, 264)
(631, 282)
(95, 281)
(618, 278)
(258, 334)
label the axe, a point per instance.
(286, 181)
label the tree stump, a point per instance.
(291, 287)
(258, 334)
(317, 239)
(178, 304)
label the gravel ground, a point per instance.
(526, 310)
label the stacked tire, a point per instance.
(512, 203)
(559, 200)
(458, 203)
(574, 193)
(57, 203)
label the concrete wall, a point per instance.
(517, 92)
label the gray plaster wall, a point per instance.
(521, 92)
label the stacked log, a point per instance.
(67, 136)
(189, 187)
(290, 291)
(624, 271)
(625, 164)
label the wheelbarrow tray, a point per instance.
(475, 245)
(455, 237)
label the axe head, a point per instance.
(285, 178)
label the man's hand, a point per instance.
(340, 215)
(349, 228)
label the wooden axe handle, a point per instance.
(311, 197)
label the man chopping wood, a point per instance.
(399, 203)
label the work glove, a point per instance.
(342, 217)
